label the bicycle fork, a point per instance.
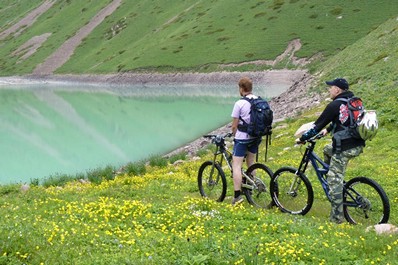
(295, 185)
(212, 179)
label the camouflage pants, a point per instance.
(335, 177)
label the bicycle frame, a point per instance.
(212, 180)
(321, 168)
(225, 154)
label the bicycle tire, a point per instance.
(365, 202)
(298, 201)
(259, 193)
(211, 181)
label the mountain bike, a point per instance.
(213, 183)
(364, 200)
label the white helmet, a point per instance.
(368, 125)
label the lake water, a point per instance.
(49, 129)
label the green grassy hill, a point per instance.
(187, 35)
(154, 215)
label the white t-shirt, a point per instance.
(242, 109)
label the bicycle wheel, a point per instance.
(212, 182)
(256, 189)
(365, 202)
(291, 191)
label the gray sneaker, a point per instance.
(336, 220)
(236, 201)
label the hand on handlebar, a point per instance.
(319, 135)
(324, 132)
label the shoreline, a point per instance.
(288, 104)
(123, 79)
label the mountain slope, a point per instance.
(155, 214)
(191, 34)
(371, 66)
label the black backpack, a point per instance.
(261, 117)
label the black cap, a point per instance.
(339, 82)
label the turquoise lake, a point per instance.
(50, 129)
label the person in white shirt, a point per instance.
(244, 144)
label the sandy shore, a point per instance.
(264, 77)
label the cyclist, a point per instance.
(336, 115)
(244, 145)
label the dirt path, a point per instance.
(288, 55)
(66, 50)
(63, 53)
(27, 21)
(30, 47)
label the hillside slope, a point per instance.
(183, 35)
(371, 67)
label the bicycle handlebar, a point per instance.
(316, 137)
(312, 139)
(217, 135)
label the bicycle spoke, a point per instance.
(211, 181)
(292, 193)
(365, 202)
(255, 185)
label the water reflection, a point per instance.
(48, 129)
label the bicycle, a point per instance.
(364, 200)
(213, 183)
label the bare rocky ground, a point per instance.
(288, 104)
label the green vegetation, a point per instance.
(156, 216)
(13, 11)
(190, 35)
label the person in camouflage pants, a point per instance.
(334, 119)
(335, 178)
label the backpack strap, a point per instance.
(343, 134)
(243, 127)
(267, 142)
(347, 101)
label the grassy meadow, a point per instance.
(152, 213)
(155, 215)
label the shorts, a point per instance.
(242, 146)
